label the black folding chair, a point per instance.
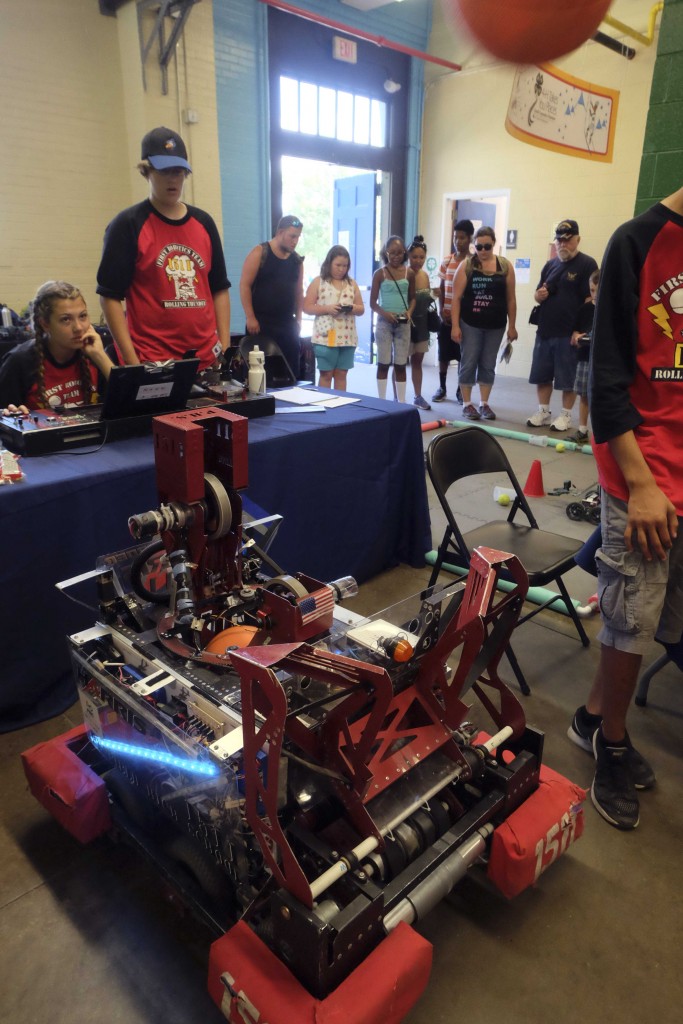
(673, 653)
(546, 556)
(279, 374)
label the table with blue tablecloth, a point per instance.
(349, 482)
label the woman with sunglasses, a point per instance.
(483, 304)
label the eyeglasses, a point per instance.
(487, 246)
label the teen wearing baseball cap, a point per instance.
(165, 260)
(164, 148)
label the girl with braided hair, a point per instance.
(59, 367)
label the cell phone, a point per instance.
(401, 318)
(346, 309)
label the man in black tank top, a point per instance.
(271, 289)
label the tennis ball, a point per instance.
(559, 447)
(504, 499)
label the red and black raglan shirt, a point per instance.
(63, 385)
(167, 271)
(636, 376)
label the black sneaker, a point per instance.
(582, 729)
(439, 395)
(581, 732)
(580, 437)
(458, 396)
(613, 793)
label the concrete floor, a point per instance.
(88, 934)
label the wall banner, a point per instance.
(553, 110)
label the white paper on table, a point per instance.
(337, 402)
(299, 396)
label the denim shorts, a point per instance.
(392, 341)
(479, 348)
(553, 359)
(638, 599)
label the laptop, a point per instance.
(134, 395)
(149, 389)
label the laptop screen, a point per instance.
(148, 389)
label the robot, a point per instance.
(310, 779)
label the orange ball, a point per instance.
(233, 636)
(530, 31)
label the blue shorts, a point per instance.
(638, 599)
(334, 357)
(581, 379)
(554, 359)
(393, 342)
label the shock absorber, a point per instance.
(184, 598)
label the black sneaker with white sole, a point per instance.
(613, 793)
(583, 727)
(581, 732)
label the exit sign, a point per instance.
(344, 49)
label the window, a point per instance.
(332, 114)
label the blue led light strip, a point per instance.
(159, 756)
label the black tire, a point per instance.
(575, 511)
(203, 870)
(156, 597)
(594, 516)
(131, 802)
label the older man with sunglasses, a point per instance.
(563, 289)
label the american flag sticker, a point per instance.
(320, 602)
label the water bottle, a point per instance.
(6, 316)
(257, 372)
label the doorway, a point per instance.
(338, 206)
(486, 207)
(338, 146)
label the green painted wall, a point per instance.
(661, 169)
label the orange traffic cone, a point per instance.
(533, 488)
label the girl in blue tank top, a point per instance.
(392, 298)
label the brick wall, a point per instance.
(661, 169)
(74, 112)
(466, 150)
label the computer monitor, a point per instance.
(148, 389)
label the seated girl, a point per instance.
(59, 367)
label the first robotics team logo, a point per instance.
(180, 263)
(668, 302)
